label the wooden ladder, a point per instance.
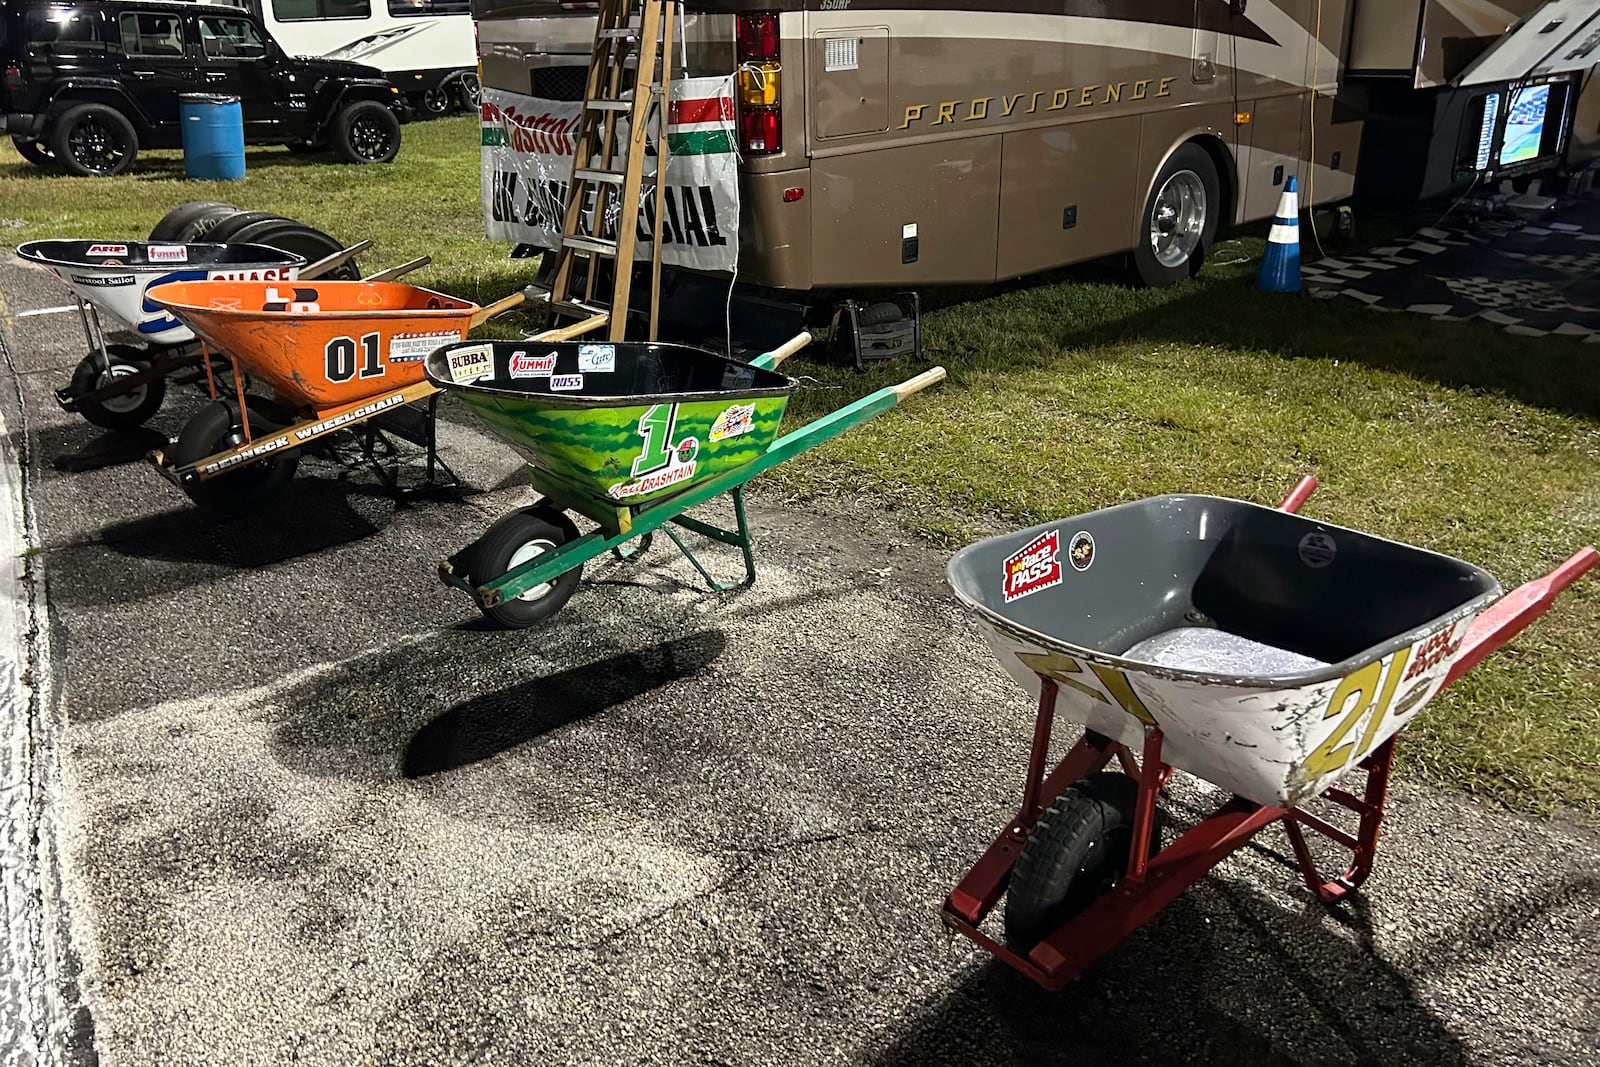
(630, 74)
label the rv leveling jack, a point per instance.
(884, 329)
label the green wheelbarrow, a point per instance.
(630, 435)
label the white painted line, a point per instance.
(45, 311)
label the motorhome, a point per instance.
(424, 46)
(892, 143)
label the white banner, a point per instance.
(528, 146)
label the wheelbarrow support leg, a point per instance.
(739, 537)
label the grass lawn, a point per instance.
(1071, 393)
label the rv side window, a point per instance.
(305, 10)
(64, 32)
(402, 8)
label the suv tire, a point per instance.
(366, 132)
(34, 152)
(93, 140)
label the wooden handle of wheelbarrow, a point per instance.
(918, 384)
(394, 272)
(505, 303)
(338, 259)
(577, 329)
(784, 351)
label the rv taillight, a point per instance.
(13, 80)
(761, 130)
(759, 81)
(758, 37)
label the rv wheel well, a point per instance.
(1227, 174)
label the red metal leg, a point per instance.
(1043, 722)
(1363, 845)
(1152, 776)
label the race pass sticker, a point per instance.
(1036, 566)
(413, 347)
(470, 364)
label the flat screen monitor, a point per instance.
(1525, 125)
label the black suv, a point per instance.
(86, 85)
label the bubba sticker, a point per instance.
(597, 359)
(470, 364)
(566, 383)
(414, 347)
(1036, 566)
(107, 250)
(1080, 550)
(167, 254)
(522, 365)
(735, 422)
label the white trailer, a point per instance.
(426, 47)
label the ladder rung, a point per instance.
(580, 307)
(608, 105)
(597, 245)
(613, 177)
(620, 34)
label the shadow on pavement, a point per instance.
(497, 722)
(1222, 975)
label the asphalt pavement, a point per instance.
(305, 808)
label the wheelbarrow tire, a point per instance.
(127, 410)
(1077, 851)
(217, 428)
(175, 224)
(512, 541)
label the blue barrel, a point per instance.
(213, 136)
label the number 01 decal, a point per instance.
(341, 353)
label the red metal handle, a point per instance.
(1516, 610)
(1298, 494)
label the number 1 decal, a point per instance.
(655, 426)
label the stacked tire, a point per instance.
(208, 220)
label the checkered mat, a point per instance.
(1527, 278)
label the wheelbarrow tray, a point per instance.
(325, 344)
(1272, 650)
(115, 276)
(621, 424)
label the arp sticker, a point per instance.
(735, 422)
(566, 383)
(414, 347)
(1080, 550)
(597, 359)
(1035, 566)
(166, 254)
(107, 250)
(1317, 549)
(470, 364)
(523, 365)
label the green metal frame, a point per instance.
(663, 514)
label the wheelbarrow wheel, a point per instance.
(217, 428)
(514, 540)
(1077, 852)
(122, 411)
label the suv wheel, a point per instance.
(34, 152)
(366, 132)
(437, 101)
(471, 92)
(93, 139)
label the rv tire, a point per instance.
(1180, 219)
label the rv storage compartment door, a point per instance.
(850, 81)
(1383, 37)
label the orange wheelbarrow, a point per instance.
(336, 355)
